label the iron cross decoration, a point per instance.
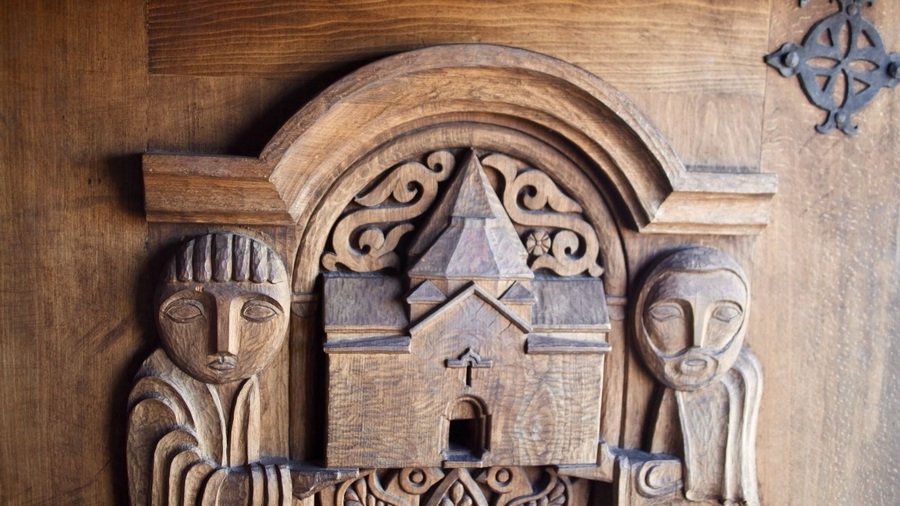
(841, 65)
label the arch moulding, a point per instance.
(525, 93)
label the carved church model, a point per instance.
(472, 359)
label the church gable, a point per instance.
(468, 309)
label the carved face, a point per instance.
(692, 318)
(227, 330)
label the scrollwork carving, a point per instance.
(554, 494)
(658, 478)
(416, 480)
(367, 491)
(495, 486)
(504, 480)
(365, 239)
(561, 240)
(557, 237)
(457, 496)
(458, 489)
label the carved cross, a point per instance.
(469, 359)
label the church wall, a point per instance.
(391, 428)
(557, 409)
(543, 408)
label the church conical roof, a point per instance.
(469, 235)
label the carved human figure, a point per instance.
(690, 320)
(194, 411)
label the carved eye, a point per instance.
(258, 311)
(666, 312)
(184, 310)
(726, 313)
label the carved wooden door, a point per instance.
(474, 263)
(305, 252)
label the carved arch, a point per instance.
(525, 92)
(466, 406)
(472, 418)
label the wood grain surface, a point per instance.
(656, 46)
(826, 333)
(687, 62)
(88, 86)
(74, 327)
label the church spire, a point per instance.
(469, 237)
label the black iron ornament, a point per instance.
(841, 65)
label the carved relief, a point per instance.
(470, 266)
(364, 240)
(549, 222)
(474, 358)
(645, 479)
(222, 314)
(560, 239)
(367, 491)
(194, 412)
(690, 320)
(496, 486)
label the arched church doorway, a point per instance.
(467, 431)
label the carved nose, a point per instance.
(225, 341)
(698, 332)
(699, 336)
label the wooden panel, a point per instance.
(72, 290)
(76, 273)
(657, 46)
(711, 132)
(431, 88)
(826, 297)
(686, 63)
(219, 115)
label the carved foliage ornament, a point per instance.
(364, 239)
(841, 65)
(550, 223)
(496, 486)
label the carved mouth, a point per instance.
(223, 362)
(694, 366)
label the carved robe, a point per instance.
(183, 451)
(713, 429)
